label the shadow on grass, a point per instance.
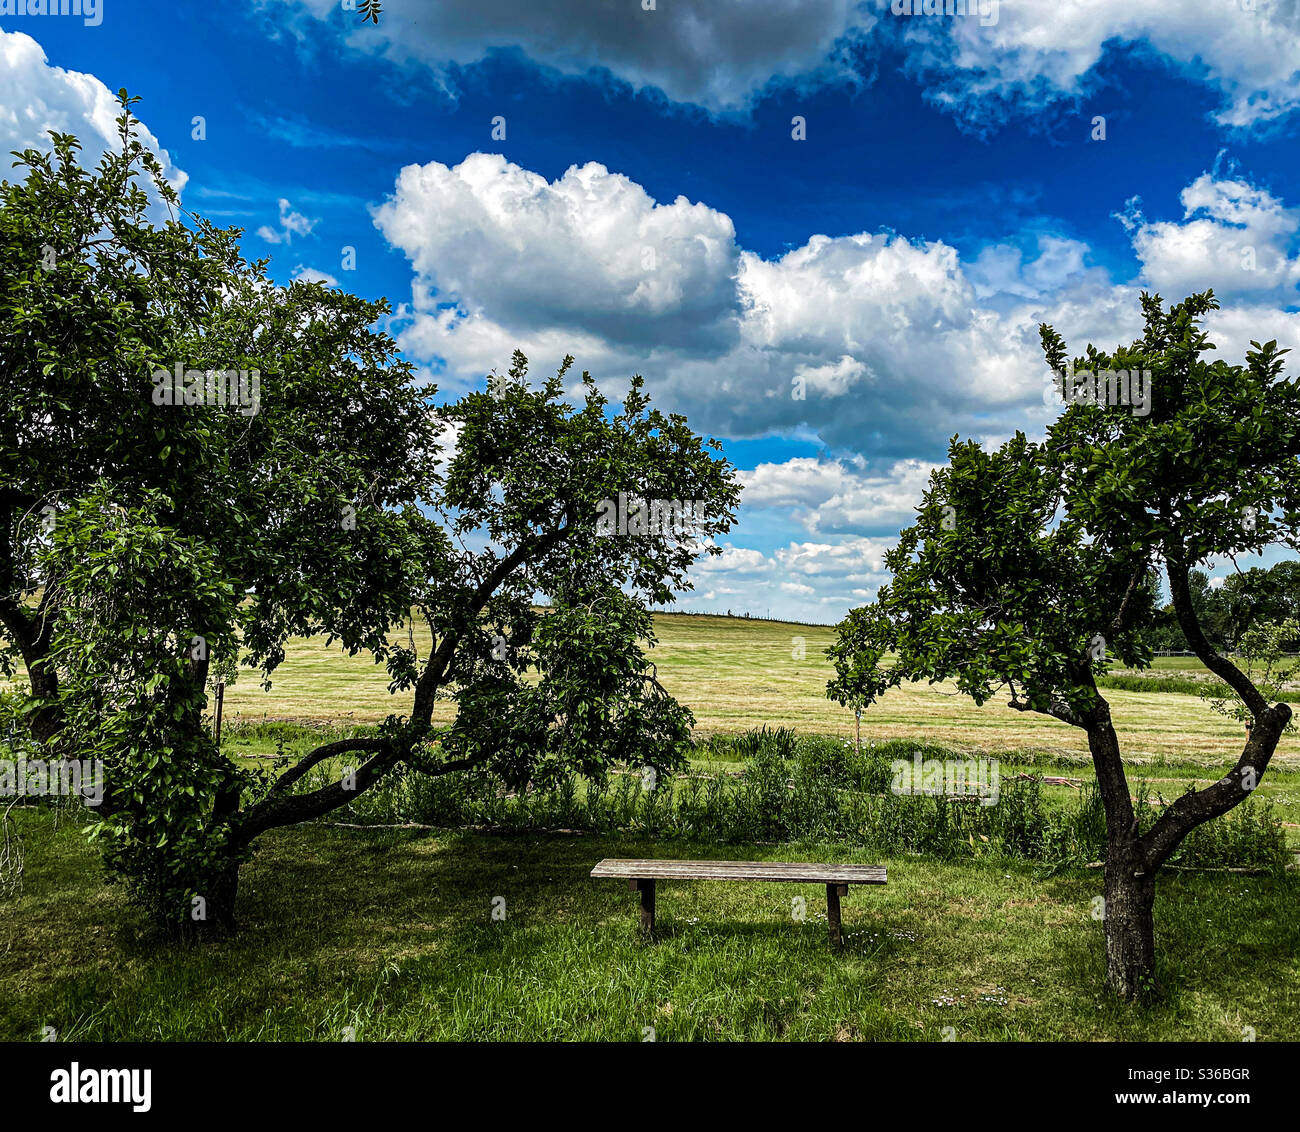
(392, 931)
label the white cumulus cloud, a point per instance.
(292, 223)
(36, 97)
(591, 251)
(1234, 237)
(1039, 52)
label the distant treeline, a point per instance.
(729, 615)
(1252, 597)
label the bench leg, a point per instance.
(833, 892)
(647, 890)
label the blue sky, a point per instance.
(952, 191)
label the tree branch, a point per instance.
(1055, 707)
(290, 809)
(1191, 810)
(1117, 624)
(1221, 666)
(431, 678)
(319, 755)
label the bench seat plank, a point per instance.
(796, 872)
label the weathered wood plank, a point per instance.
(793, 872)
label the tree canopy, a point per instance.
(321, 489)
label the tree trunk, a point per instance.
(1130, 923)
(47, 720)
(219, 893)
(221, 903)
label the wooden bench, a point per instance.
(641, 877)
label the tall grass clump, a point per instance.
(809, 790)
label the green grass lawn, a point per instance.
(391, 932)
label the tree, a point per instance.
(540, 692)
(1260, 596)
(174, 537)
(1246, 599)
(95, 303)
(319, 420)
(1261, 650)
(1028, 569)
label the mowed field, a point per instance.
(736, 674)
